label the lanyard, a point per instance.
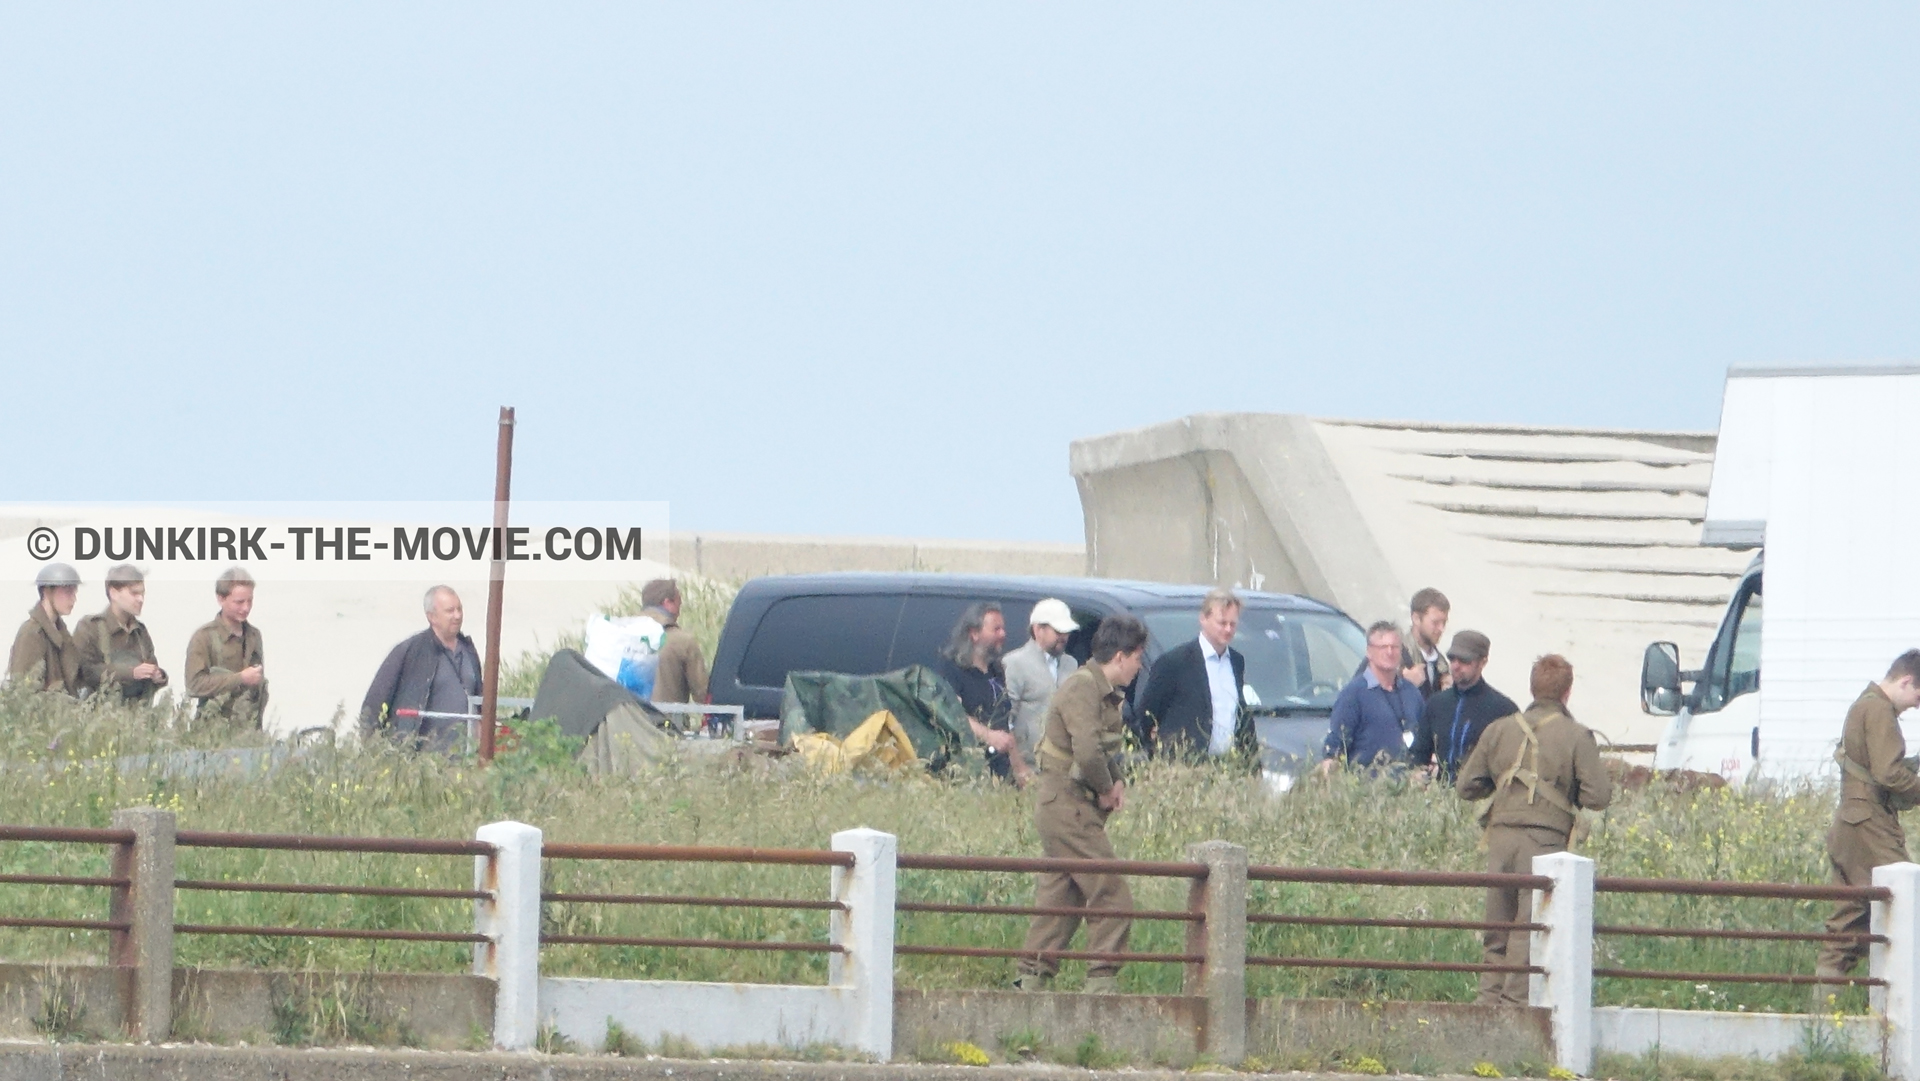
(1455, 734)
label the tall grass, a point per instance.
(73, 764)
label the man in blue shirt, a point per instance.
(1376, 714)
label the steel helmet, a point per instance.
(56, 574)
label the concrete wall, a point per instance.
(1572, 541)
(1718, 1034)
(745, 555)
(1426, 1037)
(430, 1010)
(1147, 1028)
(709, 1016)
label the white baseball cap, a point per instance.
(1054, 614)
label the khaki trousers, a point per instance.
(1510, 850)
(1853, 851)
(1072, 826)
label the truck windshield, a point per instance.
(1294, 659)
(1734, 667)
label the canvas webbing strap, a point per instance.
(1528, 776)
(1855, 769)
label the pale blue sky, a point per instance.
(843, 268)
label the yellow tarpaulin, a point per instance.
(879, 742)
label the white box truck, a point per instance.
(1816, 470)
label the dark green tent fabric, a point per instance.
(579, 696)
(920, 700)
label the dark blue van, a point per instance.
(1299, 651)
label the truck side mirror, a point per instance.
(1660, 679)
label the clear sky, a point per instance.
(846, 268)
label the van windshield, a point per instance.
(1295, 659)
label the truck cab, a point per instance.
(1812, 468)
(1715, 709)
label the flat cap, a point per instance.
(1469, 646)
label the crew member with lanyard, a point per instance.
(1454, 718)
(1377, 711)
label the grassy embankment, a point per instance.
(62, 769)
(66, 763)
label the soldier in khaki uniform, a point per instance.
(1541, 767)
(43, 651)
(682, 675)
(226, 658)
(1080, 785)
(1876, 782)
(115, 648)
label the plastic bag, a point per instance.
(626, 650)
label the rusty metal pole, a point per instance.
(490, 682)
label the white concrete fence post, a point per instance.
(864, 933)
(1897, 961)
(510, 919)
(1565, 951)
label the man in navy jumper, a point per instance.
(1377, 713)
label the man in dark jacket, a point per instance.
(1193, 701)
(1455, 717)
(435, 671)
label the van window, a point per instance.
(928, 621)
(1735, 666)
(847, 634)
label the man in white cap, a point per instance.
(1033, 671)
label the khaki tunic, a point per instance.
(109, 652)
(1522, 824)
(44, 652)
(1078, 763)
(682, 674)
(1866, 829)
(215, 658)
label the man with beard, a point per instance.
(1421, 662)
(1456, 717)
(1033, 672)
(970, 664)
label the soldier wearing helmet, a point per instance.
(44, 652)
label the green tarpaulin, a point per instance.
(922, 702)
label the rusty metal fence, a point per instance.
(693, 854)
(140, 888)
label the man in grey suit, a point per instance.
(1033, 671)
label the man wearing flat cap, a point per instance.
(1455, 717)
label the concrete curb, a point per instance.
(112, 1062)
